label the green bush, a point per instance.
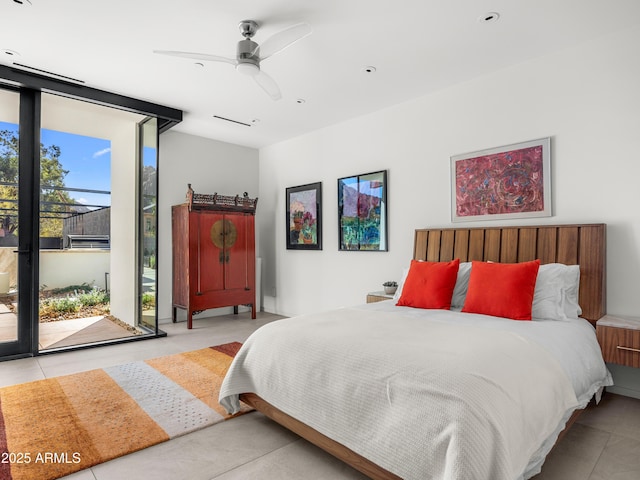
(59, 305)
(72, 289)
(148, 300)
(77, 296)
(94, 297)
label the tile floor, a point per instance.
(603, 445)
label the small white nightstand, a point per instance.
(619, 339)
(378, 296)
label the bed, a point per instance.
(403, 392)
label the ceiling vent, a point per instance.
(232, 121)
(47, 73)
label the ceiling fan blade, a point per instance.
(197, 56)
(281, 40)
(269, 85)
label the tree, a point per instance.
(51, 175)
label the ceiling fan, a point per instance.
(249, 54)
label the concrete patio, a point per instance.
(64, 333)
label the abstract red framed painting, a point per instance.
(512, 181)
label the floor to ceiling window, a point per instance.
(87, 200)
(78, 194)
(148, 222)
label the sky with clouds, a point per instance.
(88, 161)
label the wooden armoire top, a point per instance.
(215, 201)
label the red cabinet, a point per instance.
(213, 254)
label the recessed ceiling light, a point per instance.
(10, 53)
(255, 120)
(301, 101)
(489, 17)
(369, 69)
(198, 64)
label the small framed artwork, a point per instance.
(513, 181)
(362, 212)
(304, 217)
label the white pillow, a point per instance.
(462, 284)
(571, 291)
(556, 293)
(396, 296)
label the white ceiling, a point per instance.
(417, 47)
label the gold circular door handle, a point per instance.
(223, 234)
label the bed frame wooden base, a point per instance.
(336, 449)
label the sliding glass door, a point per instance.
(13, 335)
(19, 160)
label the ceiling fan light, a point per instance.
(248, 69)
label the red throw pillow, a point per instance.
(429, 284)
(502, 289)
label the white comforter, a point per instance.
(425, 394)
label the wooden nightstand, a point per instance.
(378, 296)
(619, 339)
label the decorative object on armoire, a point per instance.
(513, 181)
(304, 217)
(213, 253)
(362, 212)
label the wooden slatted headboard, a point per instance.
(583, 245)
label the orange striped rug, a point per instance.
(51, 428)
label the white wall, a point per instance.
(586, 98)
(209, 166)
(61, 268)
(123, 280)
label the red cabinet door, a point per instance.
(225, 242)
(209, 252)
(239, 245)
